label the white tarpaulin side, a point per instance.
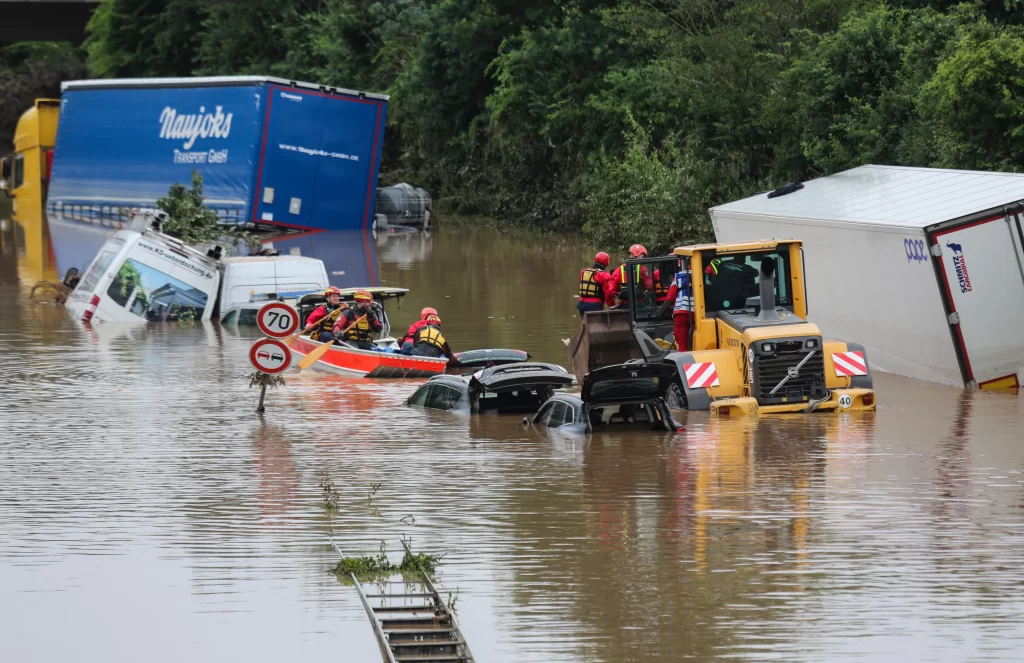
(867, 284)
(982, 268)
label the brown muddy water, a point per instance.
(146, 512)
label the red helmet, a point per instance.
(362, 296)
(332, 291)
(433, 319)
(427, 311)
(638, 251)
(602, 259)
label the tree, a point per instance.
(139, 38)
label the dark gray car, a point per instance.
(514, 388)
(625, 396)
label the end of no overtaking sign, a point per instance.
(277, 320)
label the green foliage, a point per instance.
(129, 279)
(138, 38)
(29, 71)
(622, 118)
(191, 221)
(378, 565)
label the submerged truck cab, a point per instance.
(144, 275)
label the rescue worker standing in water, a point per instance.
(641, 278)
(320, 323)
(681, 295)
(410, 336)
(358, 325)
(597, 286)
(430, 342)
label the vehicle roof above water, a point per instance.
(259, 260)
(627, 382)
(510, 376)
(210, 81)
(893, 196)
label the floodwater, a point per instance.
(147, 513)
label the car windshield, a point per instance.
(730, 280)
(99, 265)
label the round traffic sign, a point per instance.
(277, 319)
(270, 355)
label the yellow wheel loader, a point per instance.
(751, 349)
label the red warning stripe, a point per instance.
(701, 376)
(849, 364)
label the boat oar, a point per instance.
(315, 355)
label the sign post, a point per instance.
(270, 357)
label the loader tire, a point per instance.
(676, 397)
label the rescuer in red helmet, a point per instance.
(597, 286)
(358, 325)
(680, 296)
(430, 342)
(320, 323)
(410, 336)
(641, 278)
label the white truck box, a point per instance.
(923, 266)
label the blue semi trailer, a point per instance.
(275, 153)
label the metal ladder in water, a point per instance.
(418, 626)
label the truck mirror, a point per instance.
(6, 174)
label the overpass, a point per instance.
(44, 20)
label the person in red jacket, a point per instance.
(356, 326)
(320, 323)
(597, 286)
(641, 278)
(410, 336)
(680, 295)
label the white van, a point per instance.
(143, 275)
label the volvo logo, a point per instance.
(793, 372)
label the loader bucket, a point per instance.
(605, 338)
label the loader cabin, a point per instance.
(726, 286)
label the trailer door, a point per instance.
(981, 264)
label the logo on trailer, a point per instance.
(960, 266)
(175, 126)
(849, 364)
(701, 376)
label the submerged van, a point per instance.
(143, 275)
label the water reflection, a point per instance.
(140, 496)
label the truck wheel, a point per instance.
(676, 397)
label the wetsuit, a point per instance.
(357, 328)
(642, 279)
(324, 317)
(683, 292)
(431, 343)
(597, 288)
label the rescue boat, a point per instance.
(343, 359)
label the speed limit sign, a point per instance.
(277, 320)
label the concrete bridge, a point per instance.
(44, 20)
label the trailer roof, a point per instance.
(209, 81)
(888, 196)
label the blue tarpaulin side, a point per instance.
(126, 147)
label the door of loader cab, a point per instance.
(980, 266)
(648, 282)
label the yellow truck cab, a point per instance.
(25, 178)
(751, 348)
(27, 171)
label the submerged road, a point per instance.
(146, 512)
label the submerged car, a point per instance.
(513, 388)
(625, 396)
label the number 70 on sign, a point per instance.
(277, 320)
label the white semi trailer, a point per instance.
(923, 266)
